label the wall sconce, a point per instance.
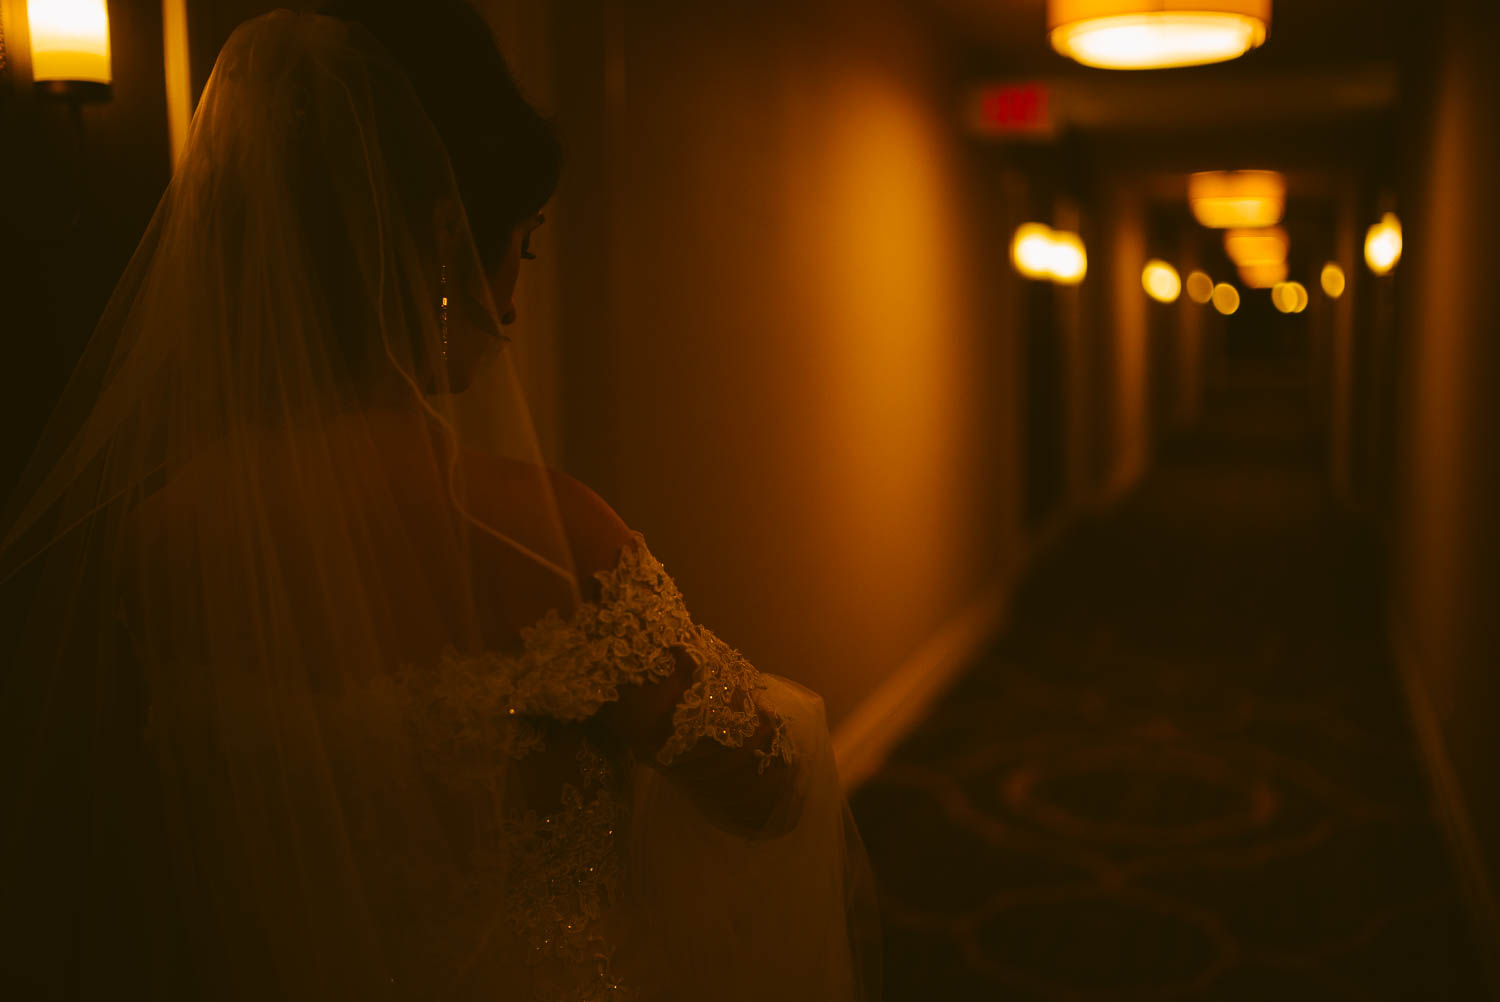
(1040, 252)
(1156, 34)
(1383, 244)
(70, 49)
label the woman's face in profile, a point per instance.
(504, 275)
(466, 351)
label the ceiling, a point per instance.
(1011, 35)
(1318, 94)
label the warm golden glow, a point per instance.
(1160, 281)
(1263, 276)
(1333, 280)
(1256, 247)
(1383, 244)
(1070, 262)
(1289, 297)
(1200, 287)
(1242, 198)
(1302, 297)
(1156, 34)
(69, 40)
(1226, 298)
(1040, 252)
(1031, 250)
(179, 94)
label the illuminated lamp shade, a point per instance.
(1238, 198)
(1263, 276)
(1383, 244)
(1160, 281)
(1289, 297)
(1226, 298)
(70, 48)
(1039, 252)
(1333, 280)
(1267, 245)
(1200, 288)
(1156, 34)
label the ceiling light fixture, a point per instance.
(1267, 245)
(1156, 34)
(1237, 198)
(1263, 276)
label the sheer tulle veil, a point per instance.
(257, 504)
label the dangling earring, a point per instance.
(443, 314)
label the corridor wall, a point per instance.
(1446, 580)
(779, 357)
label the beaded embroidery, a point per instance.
(564, 865)
(568, 669)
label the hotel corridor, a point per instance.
(1094, 403)
(1184, 771)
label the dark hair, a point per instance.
(504, 154)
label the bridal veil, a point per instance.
(295, 470)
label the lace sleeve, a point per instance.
(568, 669)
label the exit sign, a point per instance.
(1011, 109)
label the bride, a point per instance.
(328, 687)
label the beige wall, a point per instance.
(1124, 324)
(1447, 573)
(773, 341)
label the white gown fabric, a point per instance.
(325, 689)
(623, 883)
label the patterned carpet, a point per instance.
(1185, 772)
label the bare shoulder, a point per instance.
(596, 533)
(531, 501)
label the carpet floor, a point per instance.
(1185, 771)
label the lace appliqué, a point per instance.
(476, 711)
(721, 704)
(564, 872)
(568, 669)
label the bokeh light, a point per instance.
(1226, 298)
(1039, 252)
(1031, 250)
(1161, 282)
(1200, 287)
(1289, 297)
(1070, 262)
(1383, 244)
(1333, 280)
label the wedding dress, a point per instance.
(329, 686)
